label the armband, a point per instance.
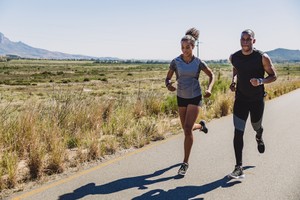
(260, 81)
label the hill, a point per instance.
(20, 49)
(284, 55)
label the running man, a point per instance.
(249, 67)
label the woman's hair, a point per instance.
(191, 35)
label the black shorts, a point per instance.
(182, 102)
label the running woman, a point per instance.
(187, 68)
(249, 67)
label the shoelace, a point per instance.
(183, 167)
(236, 173)
(260, 141)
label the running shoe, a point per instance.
(183, 169)
(237, 173)
(260, 145)
(260, 142)
(204, 128)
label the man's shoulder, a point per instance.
(239, 52)
(235, 55)
(260, 52)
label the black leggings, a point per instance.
(241, 111)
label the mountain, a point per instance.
(23, 50)
(284, 55)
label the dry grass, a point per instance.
(59, 126)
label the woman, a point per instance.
(187, 68)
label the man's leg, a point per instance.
(240, 115)
(256, 113)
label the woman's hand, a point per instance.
(207, 93)
(171, 87)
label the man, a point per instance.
(249, 67)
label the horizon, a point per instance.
(111, 57)
(149, 30)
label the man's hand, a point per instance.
(232, 86)
(256, 81)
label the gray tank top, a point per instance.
(187, 76)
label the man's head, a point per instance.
(247, 41)
(249, 32)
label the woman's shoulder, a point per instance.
(199, 61)
(174, 63)
(178, 58)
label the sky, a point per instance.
(149, 29)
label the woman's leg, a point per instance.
(188, 117)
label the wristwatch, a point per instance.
(260, 81)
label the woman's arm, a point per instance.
(211, 80)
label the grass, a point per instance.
(49, 109)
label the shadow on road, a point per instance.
(141, 182)
(122, 184)
(188, 192)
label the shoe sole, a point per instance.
(236, 177)
(181, 174)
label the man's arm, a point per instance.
(234, 73)
(269, 68)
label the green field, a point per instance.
(26, 79)
(56, 115)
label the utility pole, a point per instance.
(197, 48)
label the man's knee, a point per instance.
(257, 125)
(238, 132)
(239, 124)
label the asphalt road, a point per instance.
(150, 173)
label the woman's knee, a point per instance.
(188, 129)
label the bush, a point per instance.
(169, 105)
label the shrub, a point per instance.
(169, 105)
